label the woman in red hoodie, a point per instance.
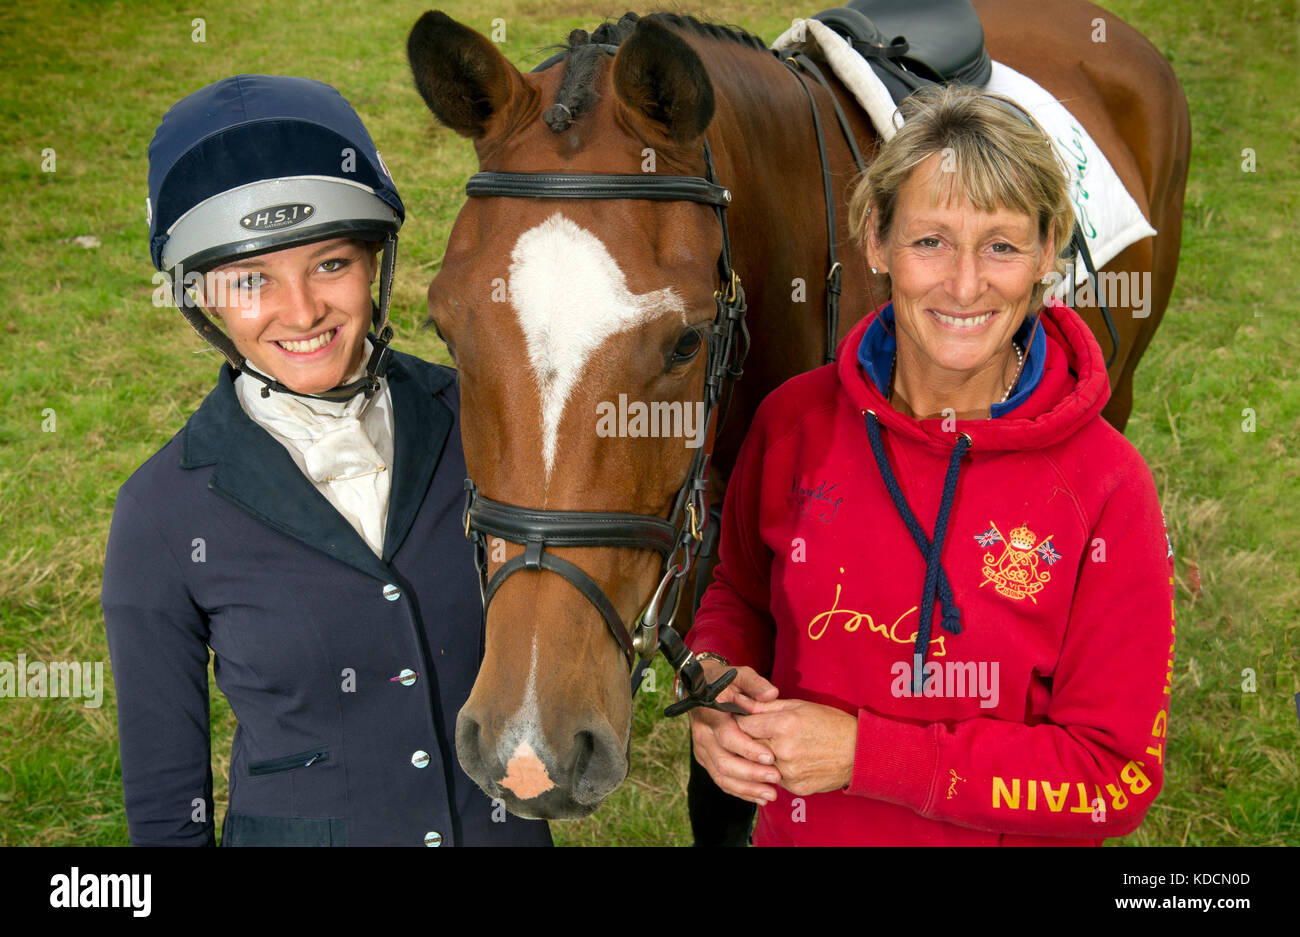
(943, 578)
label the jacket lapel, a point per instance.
(421, 425)
(254, 472)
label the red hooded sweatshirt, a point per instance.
(1041, 711)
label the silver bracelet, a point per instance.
(709, 655)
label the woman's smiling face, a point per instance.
(301, 314)
(962, 278)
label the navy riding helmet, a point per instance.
(259, 163)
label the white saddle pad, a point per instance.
(1108, 215)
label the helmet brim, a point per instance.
(275, 214)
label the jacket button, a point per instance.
(433, 838)
(392, 593)
(406, 677)
(420, 759)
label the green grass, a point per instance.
(81, 337)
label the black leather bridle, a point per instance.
(676, 539)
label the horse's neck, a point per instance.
(778, 221)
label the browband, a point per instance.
(601, 185)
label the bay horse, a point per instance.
(556, 311)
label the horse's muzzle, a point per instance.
(536, 778)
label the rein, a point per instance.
(835, 269)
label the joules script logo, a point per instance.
(852, 620)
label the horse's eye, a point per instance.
(688, 346)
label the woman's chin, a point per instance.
(302, 380)
(961, 360)
(305, 376)
(314, 384)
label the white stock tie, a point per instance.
(334, 442)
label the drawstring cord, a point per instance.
(936, 579)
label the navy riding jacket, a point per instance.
(345, 670)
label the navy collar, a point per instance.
(876, 355)
(257, 474)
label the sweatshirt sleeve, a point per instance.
(734, 619)
(157, 639)
(1094, 767)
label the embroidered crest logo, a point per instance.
(1015, 573)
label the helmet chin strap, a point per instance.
(376, 366)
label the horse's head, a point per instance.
(579, 328)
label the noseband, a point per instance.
(676, 539)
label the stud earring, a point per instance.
(874, 270)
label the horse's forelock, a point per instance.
(583, 50)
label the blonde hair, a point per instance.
(998, 157)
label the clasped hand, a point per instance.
(804, 747)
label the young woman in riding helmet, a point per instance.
(305, 523)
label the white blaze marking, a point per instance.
(526, 776)
(526, 723)
(570, 296)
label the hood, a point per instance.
(1073, 389)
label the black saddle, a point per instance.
(913, 43)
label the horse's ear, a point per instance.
(462, 77)
(659, 76)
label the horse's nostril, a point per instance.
(597, 765)
(584, 747)
(467, 747)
